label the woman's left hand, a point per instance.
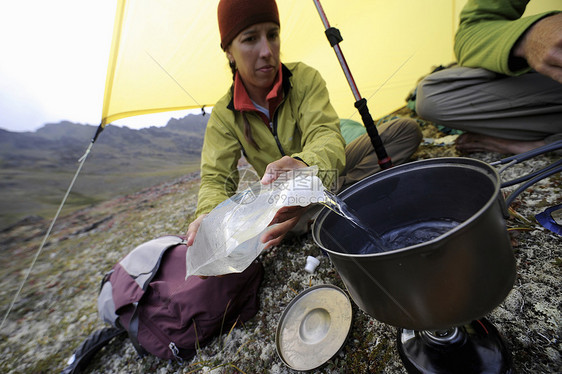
(285, 219)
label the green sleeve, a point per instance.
(488, 31)
(219, 159)
(322, 142)
(351, 130)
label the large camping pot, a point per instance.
(450, 280)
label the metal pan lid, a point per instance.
(313, 327)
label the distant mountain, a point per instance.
(36, 167)
(65, 142)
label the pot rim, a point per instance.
(465, 162)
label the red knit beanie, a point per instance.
(236, 15)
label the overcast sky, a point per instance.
(53, 63)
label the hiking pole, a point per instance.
(334, 37)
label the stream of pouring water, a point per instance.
(338, 206)
(400, 237)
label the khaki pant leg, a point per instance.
(526, 107)
(401, 138)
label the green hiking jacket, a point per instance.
(488, 31)
(305, 126)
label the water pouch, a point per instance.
(228, 240)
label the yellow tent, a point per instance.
(165, 54)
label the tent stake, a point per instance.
(334, 37)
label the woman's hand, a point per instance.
(278, 167)
(286, 217)
(192, 230)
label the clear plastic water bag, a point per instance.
(228, 240)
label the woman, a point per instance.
(280, 117)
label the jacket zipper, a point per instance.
(273, 126)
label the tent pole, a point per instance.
(334, 37)
(98, 132)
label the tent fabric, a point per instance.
(166, 55)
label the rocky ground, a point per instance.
(57, 309)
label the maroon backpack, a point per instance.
(164, 314)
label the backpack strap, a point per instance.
(133, 331)
(89, 347)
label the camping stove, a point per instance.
(473, 348)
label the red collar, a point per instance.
(242, 101)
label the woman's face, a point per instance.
(256, 54)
